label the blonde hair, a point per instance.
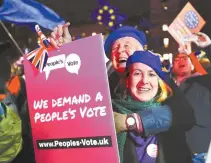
(165, 91)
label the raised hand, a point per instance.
(185, 48)
(60, 35)
(202, 40)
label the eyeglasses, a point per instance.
(181, 58)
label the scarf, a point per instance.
(126, 106)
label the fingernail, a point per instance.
(65, 25)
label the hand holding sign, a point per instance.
(186, 23)
(185, 48)
(202, 40)
(60, 35)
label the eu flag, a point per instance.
(29, 12)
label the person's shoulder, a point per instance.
(203, 80)
(199, 77)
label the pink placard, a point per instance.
(70, 106)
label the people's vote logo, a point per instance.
(72, 63)
(191, 19)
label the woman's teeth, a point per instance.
(143, 89)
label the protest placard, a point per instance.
(70, 106)
(187, 22)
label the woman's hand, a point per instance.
(119, 120)
(185, 48)
(203, 40)
(60, 35)
(200, 39)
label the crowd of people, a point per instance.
(159, 117)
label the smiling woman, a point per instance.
(142, 82)
(146, 90)
(145, 78)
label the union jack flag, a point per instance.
(38, 58)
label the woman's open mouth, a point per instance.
(143, 89)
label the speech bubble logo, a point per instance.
(73, 63)
(54, 63)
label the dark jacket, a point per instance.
(169, 150)
(198, 92)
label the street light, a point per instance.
(165, 27)
(166, 42)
